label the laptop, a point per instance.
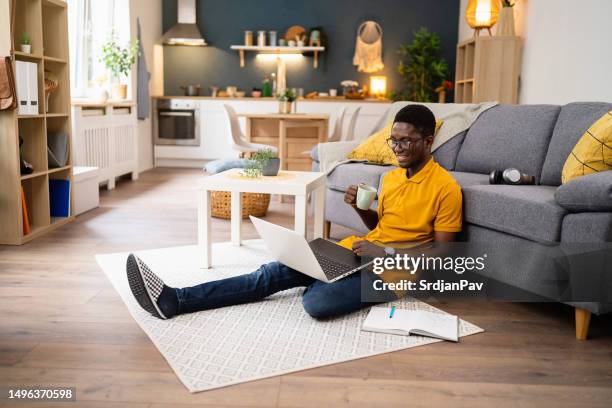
(320, 258)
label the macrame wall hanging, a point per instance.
(368, 47)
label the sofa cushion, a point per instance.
(469, 179)
(574, 119)
(446, 155)
(589, 228)
(508, 136)
(355, 173)
(592, 153)
(592, 192)
(525, 211)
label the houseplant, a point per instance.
(119, 60)
(285, 100)
(264, 162)
(421, 66)
(26, 45)
(269, 160)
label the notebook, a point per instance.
(405, 322)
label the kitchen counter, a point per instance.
(269, 98)
(214, 127)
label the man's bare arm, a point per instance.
(369, 217)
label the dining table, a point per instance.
(294, 134)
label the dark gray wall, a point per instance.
(223, 22)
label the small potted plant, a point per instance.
(119, 61)
(26, 45)
(285, 101)
(270, 163)
(264, 162)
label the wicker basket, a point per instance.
(255, 204)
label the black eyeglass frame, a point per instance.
(404, 143)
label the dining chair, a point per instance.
(350, 134)
(236, 137)
(336, 135)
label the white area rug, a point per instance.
(220, 347)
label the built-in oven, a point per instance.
(177, 122)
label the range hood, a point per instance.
(185, 32)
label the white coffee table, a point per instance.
(295, 183)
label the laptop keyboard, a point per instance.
(332, 268)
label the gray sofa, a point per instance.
(536, 139)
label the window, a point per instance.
(90, 23)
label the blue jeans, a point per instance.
(320, 300)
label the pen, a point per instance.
(391, 312)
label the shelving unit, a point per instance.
(488, 69)
(242, 49)
(46, 22)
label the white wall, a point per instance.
(567, 53)
(150, 14)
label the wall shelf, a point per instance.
(40, 115)
(34, 174)
(56, 169)
(242, 49)
(25, 56)
(53, 59)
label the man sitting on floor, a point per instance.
(419, 202)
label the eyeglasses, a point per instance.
(404, 143)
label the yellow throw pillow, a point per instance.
(592, 153)
(375, 148)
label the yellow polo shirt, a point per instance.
(412, 209)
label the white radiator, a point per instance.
(106, 136)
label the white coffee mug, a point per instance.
(365, 196)
(333, 92)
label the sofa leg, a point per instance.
(326, 229)
(583, 318)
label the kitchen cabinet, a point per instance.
(214, 126)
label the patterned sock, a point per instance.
(168, 301)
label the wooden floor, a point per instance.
(63, 325)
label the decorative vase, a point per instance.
(271, 167)
(119, 91)
(27, 48)
(505, 23)
(284, 106)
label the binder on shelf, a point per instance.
(27, 87)
(33, 88)
(59, 197)
(21, 77)
(24, 213)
